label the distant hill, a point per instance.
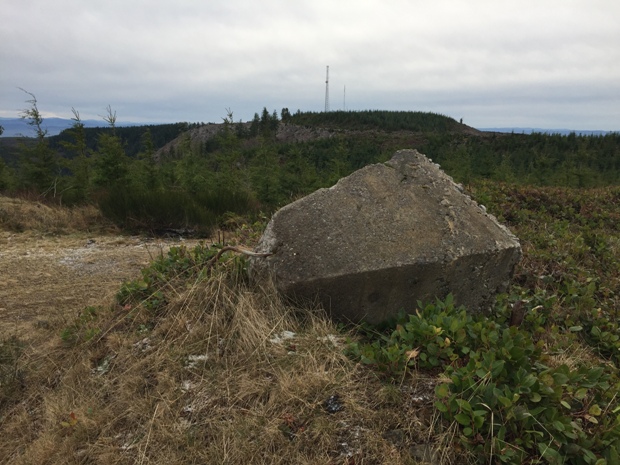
(389, 121)
(563, 132)
(131, 135)
(374, 119)
(15, 127)
(303, 127)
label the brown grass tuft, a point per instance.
(19, 215)
(226, 373)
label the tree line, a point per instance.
(383, 120)
(244, 169)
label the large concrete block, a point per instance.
(385, 237)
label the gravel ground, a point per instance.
(49, 279)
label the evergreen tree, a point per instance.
(228, 161)
(265, 123)
(338, 165)
(6, 177)
(285, 115)
(147, 169)
(191, 172)
(111, 162)
(298, 176)
(255, 126)
(274, 122)
(265, 175)
(80, 164)
(39, 168)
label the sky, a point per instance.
(493, 63)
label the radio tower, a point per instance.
(327, 91)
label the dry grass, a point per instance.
(225, 373)
(24, 215)
(212, 378)
(47, 279)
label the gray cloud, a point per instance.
(530, 63)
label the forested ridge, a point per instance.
(140, 175)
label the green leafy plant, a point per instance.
(442, 332)
(179, 263)
(507, 399)
(81, 329)
(602, 331)
(520, 407)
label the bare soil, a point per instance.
(45, 279)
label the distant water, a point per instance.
(564, 132)
(16, 127)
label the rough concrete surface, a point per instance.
(385, 237)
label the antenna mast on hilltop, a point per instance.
(327, 91)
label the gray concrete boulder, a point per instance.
(383, 238)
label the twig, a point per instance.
(148, 436)
(240, 250)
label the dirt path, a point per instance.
(47, 280)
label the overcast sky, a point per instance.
(494, 63)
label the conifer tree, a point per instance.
(228, 160)
(39, 168)
(298, 176)
(111, 162)
(285, 115)
(190, 171)
(266, 175)
(255, 126)
(6, 178)
(147, 164)
(80, 164)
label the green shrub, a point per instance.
(222, 201)
(438, 329)
(508, 399)
(171, 209)
(521, 408)
(151, 292)
(156, 210)
(83, 328)
(180, 262)
(602, 331)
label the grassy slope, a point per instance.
(189, 369)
